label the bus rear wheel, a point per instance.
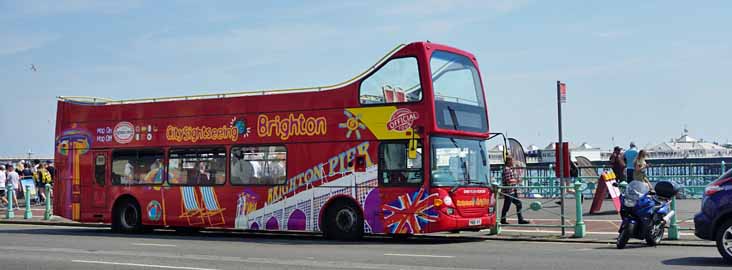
(343, 222)
(127, 217)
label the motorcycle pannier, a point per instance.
(666, 189)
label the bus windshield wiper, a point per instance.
(482, 153)
(453, 117)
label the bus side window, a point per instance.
(395, 168)
(203, 166)
(397, 81)
(137, 166)
(258, 165)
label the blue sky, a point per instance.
(635, 70)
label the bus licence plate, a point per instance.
(475, 222)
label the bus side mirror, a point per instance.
(412, 150)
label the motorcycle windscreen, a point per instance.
(633, 192)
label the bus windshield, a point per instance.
(458, 162)
(459, 102)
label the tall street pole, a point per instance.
(560, 151)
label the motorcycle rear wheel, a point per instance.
(655, 235)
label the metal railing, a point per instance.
(28, 214)
(540, 181)
(573, 184)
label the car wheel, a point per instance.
(724, 241)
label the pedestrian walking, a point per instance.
(43, 178)
(19, 168)
(510, 194)
(36, 165)
(14, 179)
(3, 199)
(630, 156)
(617, 161)
(52, 170)
(640, 168)
(27, 170)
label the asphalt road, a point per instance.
(52, 247)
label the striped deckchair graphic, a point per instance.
(190, 207)
(212, 205)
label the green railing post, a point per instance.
(673, 228)
(47, 215)
(579, 226)
(10, 194)
(723, 168)
(496, 229)
(28, 213)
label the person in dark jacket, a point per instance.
(27, 171)
(510, 195)
(617, 162)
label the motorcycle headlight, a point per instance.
(628, 202)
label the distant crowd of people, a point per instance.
(42, 173)
(630, 164)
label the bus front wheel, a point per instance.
(343, 222)
(127, 217)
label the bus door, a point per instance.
(96, 185)
(401, 180)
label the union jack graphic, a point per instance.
(408, 214)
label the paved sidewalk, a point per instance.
(38, 212)
(601, 228)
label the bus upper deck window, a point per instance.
(395, 82)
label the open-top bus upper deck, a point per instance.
(405, 80)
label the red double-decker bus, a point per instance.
(398, 149)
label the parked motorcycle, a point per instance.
(645, 213)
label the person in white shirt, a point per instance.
(2, 185)
(128, 176)
(242, 171)
(14, 179)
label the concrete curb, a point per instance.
(587, 240)
(427, 236)
(51, 223)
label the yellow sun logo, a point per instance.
(353, 124)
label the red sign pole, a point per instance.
(561, 98)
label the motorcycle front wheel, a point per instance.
(622, 238)
(654, 236)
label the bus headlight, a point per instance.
(450, 211)
(447, 200)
